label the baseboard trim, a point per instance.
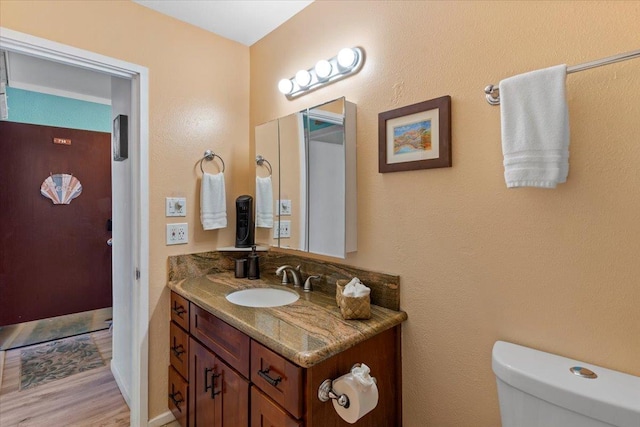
(162, 419)
(120, 383)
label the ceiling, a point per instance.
(245, 21)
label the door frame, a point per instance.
(27, 44)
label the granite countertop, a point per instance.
(306, 332)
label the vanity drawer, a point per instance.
(266, 413)
(178, 397)
(180, 311)
(223, 339)
(277, 377)
(179, 349)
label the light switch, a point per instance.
(176, 206)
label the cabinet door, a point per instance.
(202, 375)
(266, 413)
(232, 404)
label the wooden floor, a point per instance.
(90, 398)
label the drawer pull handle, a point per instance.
(265, 375)
(211, 386)
(176, 398)
(178, 350)
(178, 309)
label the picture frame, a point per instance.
(120, 137)
(414, 137)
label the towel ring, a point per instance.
(210, 155)
(260, 162)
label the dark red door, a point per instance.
(54, 258)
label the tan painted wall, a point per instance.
(552, 269)
(198, 99)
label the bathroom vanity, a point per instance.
(242, 366)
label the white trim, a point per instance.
(121, 384)
(162, 419)
(46, 49)
(325, 116)
(58, 92)
(302, 149)
(30, 45)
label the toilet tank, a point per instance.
(538, 389)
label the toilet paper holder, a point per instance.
(326, 392)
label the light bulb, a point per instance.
(303, 78)
(347, 57)
(323, 69)
(285, 86)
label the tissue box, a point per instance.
(352, 307)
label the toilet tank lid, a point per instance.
(613, 397)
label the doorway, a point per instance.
(130, 252)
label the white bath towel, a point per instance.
(535, 128)
(264, 202)
(213, 205)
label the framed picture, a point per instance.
(417, 136)
(120, 137)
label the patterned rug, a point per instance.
(58, 359)
(54, 328)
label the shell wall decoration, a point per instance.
(61, 188)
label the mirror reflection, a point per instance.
(313, 179)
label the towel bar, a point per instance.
(494, 99)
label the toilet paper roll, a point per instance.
(362, 400)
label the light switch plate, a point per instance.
(176, 206)
(285, 206)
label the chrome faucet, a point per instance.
(307, 283)
(295, 273)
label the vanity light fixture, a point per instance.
(347, 62)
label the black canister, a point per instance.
(244, 222)
(241, 268)
(254, 264)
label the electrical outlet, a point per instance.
(177, 234)
(282, 229)
(176, 206)
(285, 207)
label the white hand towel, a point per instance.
(213, 205)
(264, 202)
(535, 128)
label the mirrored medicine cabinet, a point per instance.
(312, 154)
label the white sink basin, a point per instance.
(263, 297)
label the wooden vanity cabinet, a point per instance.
(235, 381)
(178, 393)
